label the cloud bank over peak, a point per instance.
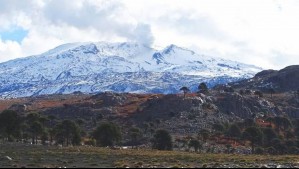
(252, 31)
(50, 23)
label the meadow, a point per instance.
(25, 156)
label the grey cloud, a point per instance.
(10, 10)
(103, 17)
(9, 6)
(85, 15)
(143, 34)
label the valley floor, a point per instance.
(20, 155)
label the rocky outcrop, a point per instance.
(20, 108)
(111, 99)
(169, 105)
(244, 106)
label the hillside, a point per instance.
(284, 80)
(173, 112)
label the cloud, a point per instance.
(190, 23)
(9, 49)
(143, 35)
(61, 21)
(106, 17)
(247, 31)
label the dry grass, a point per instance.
(39, 156)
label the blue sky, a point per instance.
(258, 32)
(14, 34)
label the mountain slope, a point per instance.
(119, 67)
(284, 80)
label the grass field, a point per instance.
(40, 156)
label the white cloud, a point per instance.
(10, 49)
(250, 31)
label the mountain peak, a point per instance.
(119, 67)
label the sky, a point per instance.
(264, 33)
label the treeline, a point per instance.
(37, 129)
(268, 135)
(48, 130)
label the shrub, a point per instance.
(259, 150)
(293, 150)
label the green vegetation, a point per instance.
(107, 134)
(162, 140)
(254, 135)
(10, 125)
(185, 90)
(203, 88)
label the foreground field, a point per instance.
(13, 156)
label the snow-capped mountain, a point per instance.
(118, 67)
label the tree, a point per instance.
(44, 137)
(68, 132)
(242, 92)
(204, 134)
(278, 145)
(248, 123)
(185, 90)
(228, 148)
(162, 140)
(107, 134)
(135, 135)
(258, 93)
(218, 127)
(32, 117)
(10, 125)
(297, 131)
(286, 123)
(272, 91)
(282, 123)
(259, 150)
(270, 120)
(269, 135)
(195, 144)
(254, 135)
(36, 130)
(52, 133)
(203, 88)
(234, 131)
(146, 127)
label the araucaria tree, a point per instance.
(10, 125)
(203, 88)
(107, 134)
(162, 140)
(68, 132)
(197, 145)
(254, 135)
(185, 90)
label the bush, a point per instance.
(271, 150)
(91, 142)
(293, 150)
(259, 150)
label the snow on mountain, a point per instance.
(118, 67)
